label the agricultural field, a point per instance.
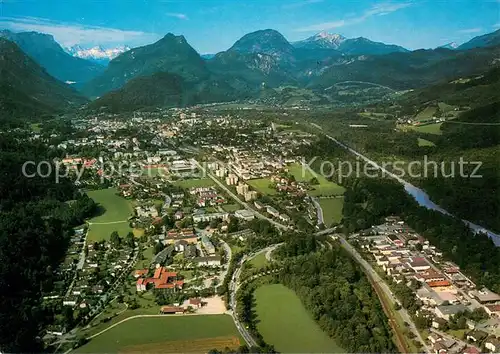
(261, 185)
(324, 188)
(284, 322)
(192, 183)
(167, 334)
(114, 214)
(426, 114)
(332, 210)
(434, 128)
(425, 142)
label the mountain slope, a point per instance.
(26, 89)
(268, 41)
(487, 40)
(167, 90)
(411, 69)
(170, 54)
(51, 56)
(352, 46)
(322, 40)
(364, 46)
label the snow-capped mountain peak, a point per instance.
(451, 45)
(97, 53)
(321, 40)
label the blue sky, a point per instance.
(214, 25)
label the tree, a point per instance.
(130, 240)
(115, 239)
(159, 247)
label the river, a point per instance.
(420, 196)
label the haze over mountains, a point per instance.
(257, 61)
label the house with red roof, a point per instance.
(162, 279)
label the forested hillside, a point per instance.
(35, 225)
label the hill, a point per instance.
(51, 56)
(170, 54)
(26, 89)
(167, 90)
(487, 40)
(412, 69)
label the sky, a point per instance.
(211, 26)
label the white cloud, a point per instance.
(496, 25)
(69, 34)
(177, 15)
(380, 9)
(471, 30)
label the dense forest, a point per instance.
(337, 294)
(36, 220)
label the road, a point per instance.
(237, 199)
(384, 287)
(234, 285)
(229, 256)
(319, 210)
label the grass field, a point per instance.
(168, 334)
(261, 185)
(434, 128)
(332, 210)
(259, 261)
(156, 171)
(230, 208)
(115, 211)
(325, 187)
(285, 323)
(191, 183)
(426, 114)
(425, 142)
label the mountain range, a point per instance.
(27, 90)
(257, 61)
(97, 54)
(50, 55)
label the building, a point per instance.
(208, 245)
(242, 188)
(259, 205)
(231, 179)
(492, 310)
(168, 310)
(492, 344)
(476, 335)
(162, 279)
(272, 211)
(418, 264)
(211, 261)
(195, 302)
(485, 296)
(244, 214)
(446, 311)
(208, 217)
(250, 195)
